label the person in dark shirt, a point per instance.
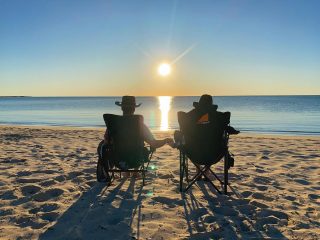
(206, 105)
(200, 114)
(128, 106)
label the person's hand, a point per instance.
(170, 142)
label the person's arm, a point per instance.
(159, 143)
(154, 143)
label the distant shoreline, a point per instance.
(14, 96)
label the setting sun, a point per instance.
(164, 69)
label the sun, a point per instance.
(164, 69)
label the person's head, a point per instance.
(205, 101)
(128, 105)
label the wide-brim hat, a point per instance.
(129, 101)
(205, 101)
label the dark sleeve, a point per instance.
(147, 135)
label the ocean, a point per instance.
(287, 115)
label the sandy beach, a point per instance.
(48, 190)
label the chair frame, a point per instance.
(143, 168)
(184, 169)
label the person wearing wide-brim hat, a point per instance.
(128, 105)
(205, 104)
(128, 101)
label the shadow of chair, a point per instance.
(228, 217)
(98, 216)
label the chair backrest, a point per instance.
(126, 134)
(204, 135)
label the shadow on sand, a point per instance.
(229, 217)
(100, 215)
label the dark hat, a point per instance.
(204, 101)
(128, 101)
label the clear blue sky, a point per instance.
(89, 48)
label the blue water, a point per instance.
(295, 115)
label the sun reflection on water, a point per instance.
(164, 106)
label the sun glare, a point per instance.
(164, 69)
(164, 106)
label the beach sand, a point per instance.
(48, 190)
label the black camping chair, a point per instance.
(126, 149)
(204, 140)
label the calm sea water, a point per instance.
(297, 115)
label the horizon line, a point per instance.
(261, 95)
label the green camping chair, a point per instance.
(204, 143)
(126, 150)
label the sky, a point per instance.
(113, 48)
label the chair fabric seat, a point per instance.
(205, 142)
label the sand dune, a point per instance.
(48, 190)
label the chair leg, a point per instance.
(203, 173)
(187, 169)
(143, 176)
(181, 170)
(193, 180)
(215, 175)
(225, 175)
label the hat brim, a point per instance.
(197, 105)
(131, 105)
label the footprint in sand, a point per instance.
(48, 183)
(74, 174)
(313, 196)
(246, 209)
(263, 223)
(8, 195)
(47, 207)
(267, 212)
(29, 180)
(238, 202)
(262, 180)
(289, 165)
(258, 204)
(262, 188)
(48, 171)
(30, 189)
(290, 198)
(60, 178)
(50, 216)
(27, 221)
(170, 202)
(24, 173)
(260, 170)
(302, 181)
(49, 194)
(262, 197)
(6, 212)
(246, 194)
(13, 161)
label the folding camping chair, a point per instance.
(126, 150)
(204, 140)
